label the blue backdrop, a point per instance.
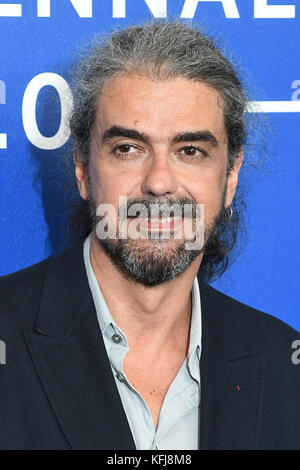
(39, 39)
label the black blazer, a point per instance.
(57, 390)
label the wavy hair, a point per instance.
(161, 50)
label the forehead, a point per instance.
(160, 108)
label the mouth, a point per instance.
(159, 223)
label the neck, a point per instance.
(160, 314)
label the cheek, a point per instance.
(108, 185)
(209, 191)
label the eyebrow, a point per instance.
(117, 131)
(202, 136)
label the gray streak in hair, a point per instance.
(160, 50)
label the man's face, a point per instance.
(158, 141)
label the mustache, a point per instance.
(159, 206)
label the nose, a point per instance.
(159, 178)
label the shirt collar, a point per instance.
(104, 316)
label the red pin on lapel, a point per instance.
(238, 387)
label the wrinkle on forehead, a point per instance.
(131, 79)
(117, 91)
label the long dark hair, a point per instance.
(161, 50)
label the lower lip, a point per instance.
(145, 224)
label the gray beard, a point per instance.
(149, 266)
(155, 261)
(152, 262)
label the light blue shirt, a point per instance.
(178, 426)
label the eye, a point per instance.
(193, 152)
(126, 151)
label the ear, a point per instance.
(232, 180)
(81, 177)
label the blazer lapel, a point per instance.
(231, 382)
(70, 357)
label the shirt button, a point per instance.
(116, 338)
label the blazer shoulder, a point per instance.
(249, 321)
(28, 277)
(20, 294)
(23, 278)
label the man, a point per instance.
(119, 342)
